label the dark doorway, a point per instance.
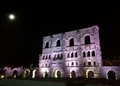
(111, 75)
(26, 73)
(73, 74)
(46, 74)
(58, 74)
(15, 74)
(90, 74)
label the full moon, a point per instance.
(11, 16)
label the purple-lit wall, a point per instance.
(74, 63)
(9, 71)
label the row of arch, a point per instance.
(111, 75)
(46, 57)
(59, 74)
(60, 56)
(71, 42)
(56, 56)
(89, 64)
(46, 65)
(72, 64)
(89, 54)
(72, 55)
(25, 74)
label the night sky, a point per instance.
(21, 39)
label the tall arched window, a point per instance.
(46, 56)
(71, 54)
(49, 56)
(47, 45)
(61, 56)
(88, 54)
(84, 54)
(75, 54)
(43, 57)
(54, 56)
(93, 53)
(58, 43)
(58, 56)
(71, 42)
(87, 39)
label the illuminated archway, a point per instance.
(90, 74)
(111, 75)
(15, 74)
(57, 73)
(73, 74)
(26, 73)
(34, 74)
(45, 74)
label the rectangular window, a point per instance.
(94, 63)
(89, 63)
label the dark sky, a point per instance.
(21, 39)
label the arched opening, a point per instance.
(43, 57)
(75, 54)
(73, 74)
(58, 43)
(84, 54)
(49, 56)
(90, 74)
(57, 74)
(47, 45)
(71, 54)
(57, 56)
(111, 75)
(93, 53)
(46, 56)
(94, 63)
(54, 57)
(61, 56)
(87, 39)
(46, 74)
(15, 74)
(26, 73)
(88, 54)
(34, 75)
(89, 63)
(71, 42)
(72, 64)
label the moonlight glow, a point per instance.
(11, 16)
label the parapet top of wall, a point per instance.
(73, 31)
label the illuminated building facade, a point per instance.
(71, 54)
